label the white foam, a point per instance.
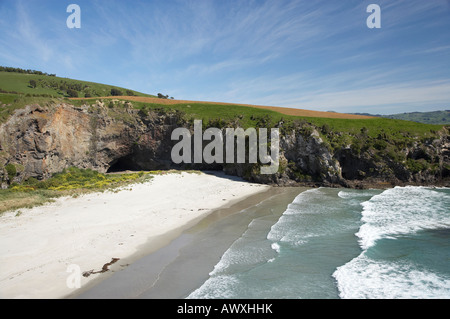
(364, 278)
(350, 194)
(283, 230)
(402, 210)
(397, 211)
(276, 247)
(216, 287)
(248, 250)
(306, 195)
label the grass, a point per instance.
(70, 182)
(49, 85)
(282, 110)
(75, 178)
(11, 102)
(12, 200)
(219, 115)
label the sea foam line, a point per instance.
(401, 210)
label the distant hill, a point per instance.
(37, 83)
(435, 117)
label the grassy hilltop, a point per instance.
(40, 84)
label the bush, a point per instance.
(326, 129)
(116, 92)
(11, 170)
(380, 144)
(31, 181)
(33, 84)
(72, 93)
(416, 166)
(356, 147)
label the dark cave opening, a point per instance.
(122, 164)
(143, 161)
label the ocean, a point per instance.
(341, 243)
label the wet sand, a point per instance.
(181, 266)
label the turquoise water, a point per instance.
(336, 243)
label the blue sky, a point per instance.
(308, 54)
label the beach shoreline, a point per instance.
(45, 249)
(180, 267)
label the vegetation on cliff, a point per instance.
(42, 135)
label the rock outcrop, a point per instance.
(39, 141)
(42, 141)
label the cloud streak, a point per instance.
(297, 53)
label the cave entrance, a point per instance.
(122, 164)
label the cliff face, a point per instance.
(42, 140)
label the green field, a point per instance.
(12, 82)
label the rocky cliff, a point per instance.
(40, 140)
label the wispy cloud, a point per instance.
(301, 91)
(25, 38)
(298, 53)
(387, 100)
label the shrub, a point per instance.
(116, 92)
(33, 83)
(380, 144)
(72, 93)
(416, 166)
(11, 170)
(326, 129)
(356, 147)
(31, 181)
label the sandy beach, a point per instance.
(46, 250)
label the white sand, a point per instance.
(38, 246)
